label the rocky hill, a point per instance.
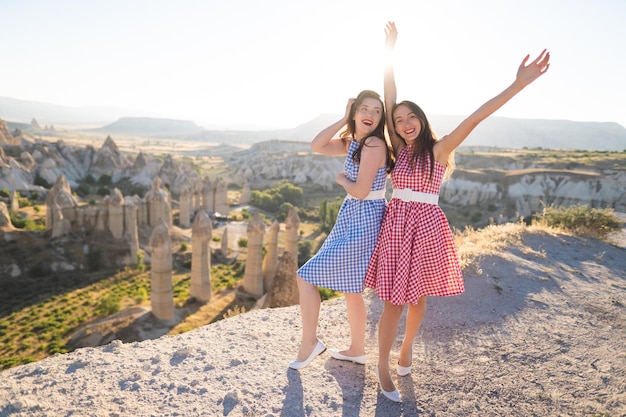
(504, 184)
(540, 330)
(147, 126)
(489, 184)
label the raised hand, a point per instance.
(391, 36)
(526, 74)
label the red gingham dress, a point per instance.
(415, 254)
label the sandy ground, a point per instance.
(540, 331)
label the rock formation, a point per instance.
(253, 275)
(14, 201)
(208, 196)
(60, 198)
(162, 296)
(284, 291)
(130, 227)
(186, 205)
(270, 260)
(201, 234)
(158, 202)
(292, 226)
(5, 218)
(6, 138)
(224, 243)
(244, 198)
(108, 160)
(116, 214)
(221, 197)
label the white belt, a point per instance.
(373, 195)
(406, 194)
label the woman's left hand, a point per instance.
(526, 74)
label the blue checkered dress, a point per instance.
(341, 262)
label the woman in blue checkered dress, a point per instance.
(341, 262)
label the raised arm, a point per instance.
(390, 85)
(324, 142)
(526, 74)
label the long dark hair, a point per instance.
(425, 141)
(379, 132)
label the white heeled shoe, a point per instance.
(340, 356)
(392, 395)
(317, 350)
(404, 370)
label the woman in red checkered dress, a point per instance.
(415, 256)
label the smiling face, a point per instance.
(367, 117)
(406, 123)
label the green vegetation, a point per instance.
(25, 223)
(554, 159)
(272, 199)
(44, 328)
(89, 186)
(328, 213)
(593, 222)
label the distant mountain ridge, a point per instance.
(506, 132)
(494, 132)
(23, 111)
(150, 126)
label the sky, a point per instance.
(250, 64)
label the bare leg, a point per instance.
(357, 316)
(310, 302)
(414, 318)
(387, 328)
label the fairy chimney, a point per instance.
(197, 195)
(162, 296)
(253, 275)
(60, 194)
(224, 243)
(244, 198)
(201, 233)
(284, 291)
(186, 205)
(271, 257)
(130, 226)
(208, 197)
(116, 214)
(5, 218)
(221, 197)
(292, 224)
(157, 200)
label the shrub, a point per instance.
(142, 295)
(327, 294)
(593, 222)
(304, 251)
(272, 199)
(141, 266)
(105, 179)
(108, 305)
(245, 214)
(328, 211)
(283, 211)
(242, 242)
